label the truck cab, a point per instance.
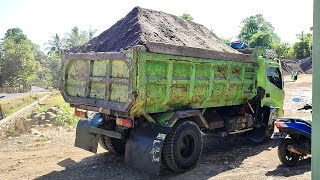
(270, 82)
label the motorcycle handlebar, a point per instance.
(306, 107)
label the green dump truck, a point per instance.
(153, 102)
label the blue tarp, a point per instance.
(238, 45)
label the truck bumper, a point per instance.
(88, 135)
(143, 148)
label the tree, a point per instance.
(282, 49)
(49, 71)
(256, 24)
(16, 34)
(303, 48)
(261, 39)
(17, 60)
(91, 33)
(76, 38)
(186, 16)
(55, 44)
(54, 65)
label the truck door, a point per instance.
(274, 88)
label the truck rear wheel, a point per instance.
(114, 145)
(183, 146)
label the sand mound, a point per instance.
(301, 66)
(142, 25)
(306, 65)
(290, 65)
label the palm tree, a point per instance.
(91, 33)
(76, 37)
(55, 45)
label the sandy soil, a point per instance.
(141, 25)
(52, 155)
(301, 88)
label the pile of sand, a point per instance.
(306, 65)
(142, 25)
(301, 66)
(290, 65)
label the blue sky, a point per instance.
(39, 19)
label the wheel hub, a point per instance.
(186, 146)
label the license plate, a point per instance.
(279, 135)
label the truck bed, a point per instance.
(157, 78)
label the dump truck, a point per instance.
(153, 103)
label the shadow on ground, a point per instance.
(302, 167)
(219, 155)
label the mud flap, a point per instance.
(84, 138)
(258, 134)
(144, 148)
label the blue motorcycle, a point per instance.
(296, 134)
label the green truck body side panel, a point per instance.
(139, 82)
(167, 82)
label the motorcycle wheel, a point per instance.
(286, 157)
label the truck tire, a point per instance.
(269, 121)
(183, 146)
(286, 157)
(114, 145)
(264, 132)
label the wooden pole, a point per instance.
(315, 162)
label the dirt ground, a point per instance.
(52, 155)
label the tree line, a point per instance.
(256, 31)
(23, 63)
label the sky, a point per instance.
(40, 19)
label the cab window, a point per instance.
(274, 76)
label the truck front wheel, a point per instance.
(272, 115)
(114, 145)
(182, 147)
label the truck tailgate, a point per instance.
(102, 80)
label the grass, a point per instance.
(55, 100)
(12, 105)
(67, 117)
(10, 131)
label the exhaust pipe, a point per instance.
(297, 149)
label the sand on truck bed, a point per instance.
(142, 25)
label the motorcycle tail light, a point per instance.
(80, 113)
(124, 122)
(280, 124)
